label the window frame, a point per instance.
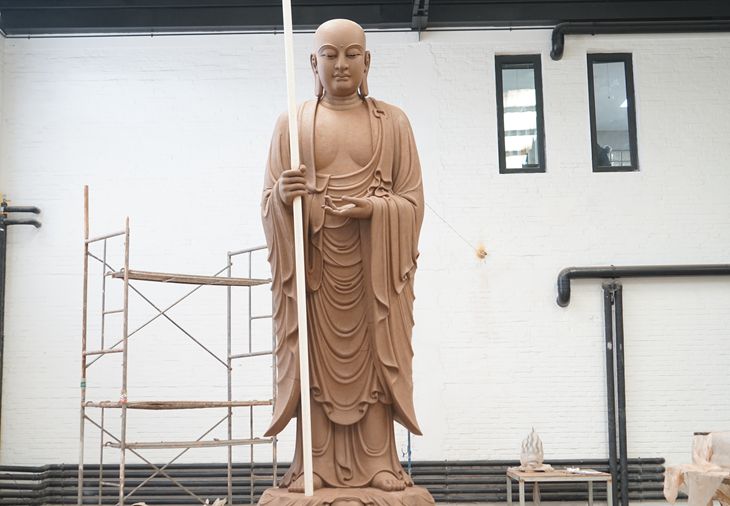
(500, 61)
(627, 60)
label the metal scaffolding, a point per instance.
(89, 357)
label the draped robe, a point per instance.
(359, 275)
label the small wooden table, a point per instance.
(556, 475)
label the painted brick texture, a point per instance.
(174, 132)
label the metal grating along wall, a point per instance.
(448, 481)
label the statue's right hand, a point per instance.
(292, 184)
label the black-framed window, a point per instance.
(613, 112)
(520, 123)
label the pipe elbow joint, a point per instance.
(558, 40)
(563, 298)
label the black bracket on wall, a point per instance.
(5, 222)
(419, 19)
(613, 309)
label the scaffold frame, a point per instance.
(222, 277)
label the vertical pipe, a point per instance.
(621, 394)
(274, 456)
(250, 409)
(3, 252)
(103, 296)
(230, 384)
(250, 306)
(610, 388)
(101, 347)
(101, 457)
(410, 455)
(125, 352)
(4, 208)
(84, 300)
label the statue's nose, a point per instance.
(341, 62)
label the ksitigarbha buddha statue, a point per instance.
(360, 182)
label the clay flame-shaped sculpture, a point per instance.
(532, 455)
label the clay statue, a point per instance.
(360, 181)
(707, 478)
(532, 455)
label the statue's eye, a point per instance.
(353, 55)
(329, 55)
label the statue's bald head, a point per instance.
(340, 61)
(342, 31)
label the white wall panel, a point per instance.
(174, 132)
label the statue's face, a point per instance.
(340, 59)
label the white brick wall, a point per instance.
(174, 131)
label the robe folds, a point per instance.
(359, 276)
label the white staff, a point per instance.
(305, 416)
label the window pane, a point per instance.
(520, 116)
(612, 141)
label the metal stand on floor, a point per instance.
(89, 356)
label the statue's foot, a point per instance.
(408, 480)
(297, 486)
(386, 481)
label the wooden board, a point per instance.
(194, 444)
(160, 405)
(189, 279)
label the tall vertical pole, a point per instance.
(3, 252)
(621, 394)
(410, 455)
(82, 415)
(274, 442)
(305, 415)
(608, 301)
(125, 354)
(229, 363)
(250, 409)
(101, 347)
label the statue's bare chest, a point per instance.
(343, 140)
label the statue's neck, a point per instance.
(341, 103)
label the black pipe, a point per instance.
(5, 222)
(20, 209)
(613, 314)
(618, 301)
(636, 271)
(448, 481)
(622, 27)
(610, 390)
(3, 251)
(22, 221)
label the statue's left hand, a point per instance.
(355, 207)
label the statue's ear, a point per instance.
(313, 62)
(364, 90)
(318, 88)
